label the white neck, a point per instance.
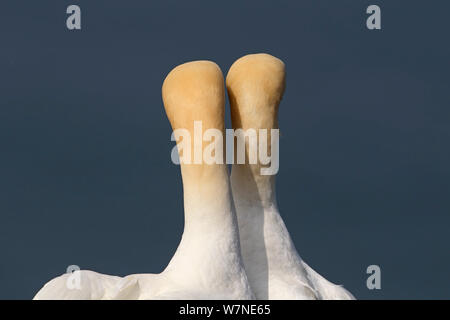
(209, 251)
(267, 249)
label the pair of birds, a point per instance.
(235, 244)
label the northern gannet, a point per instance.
(207, 263)
(255, 85)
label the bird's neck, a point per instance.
(252, 189)
(207, 199)
(209, 252)
(267, 248)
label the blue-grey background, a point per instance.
(85, 170)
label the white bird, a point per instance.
(275, 270)
(207, 263)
